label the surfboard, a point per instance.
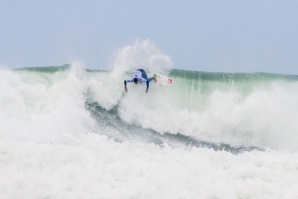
(162, 80)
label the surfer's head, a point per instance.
(135, 80)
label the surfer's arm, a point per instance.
(125, 81)
(147, 83)
(128, 80)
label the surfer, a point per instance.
(140, 76)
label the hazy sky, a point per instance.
(213, 35)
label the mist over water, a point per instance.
(68, 132)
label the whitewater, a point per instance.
(71, 132)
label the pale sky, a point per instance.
(213, 36)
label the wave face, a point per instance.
(70, 132)
(58, 121)
(240, 110)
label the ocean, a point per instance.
(71, 132)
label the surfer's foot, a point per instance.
(154, 77)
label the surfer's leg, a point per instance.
(152, 78)
(144, 75)
(142, 70)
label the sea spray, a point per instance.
(70, 132)
(257, 110)
(56, 143)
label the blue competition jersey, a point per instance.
(138, 74)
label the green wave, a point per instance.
(226, 77)
(185, 74)
(45, 69)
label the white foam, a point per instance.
(261, 115)
(49, 146)
(91, 166)
(35, 111)
(265, 117)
